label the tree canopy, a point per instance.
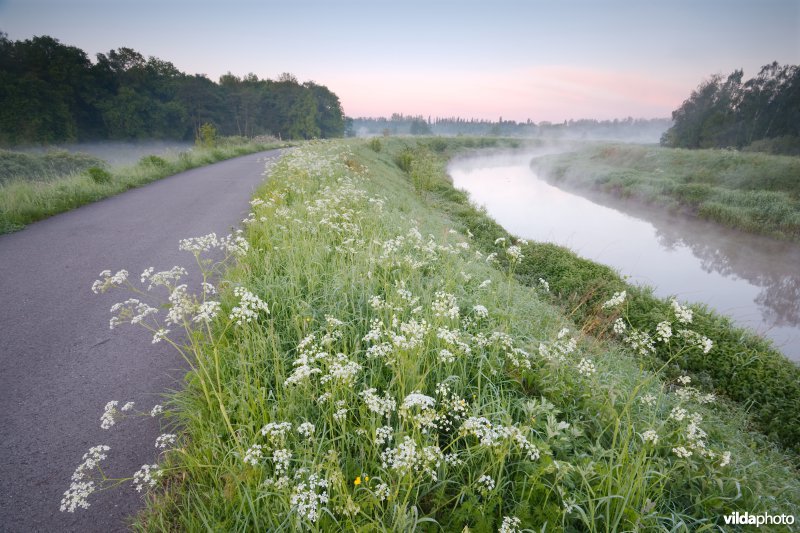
(51, 92)
(729, 112)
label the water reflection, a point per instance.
(755, 280)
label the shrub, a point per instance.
(206, 136)
(99, 175)
(375, 145)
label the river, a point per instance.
(754, 280)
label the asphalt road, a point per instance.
(60, 363)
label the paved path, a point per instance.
(59, 362)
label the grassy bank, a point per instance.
(33, 187)
(753, 192)
(369, 364)
(743, 367)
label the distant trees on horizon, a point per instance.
(51, 92)
(762, 113)
(640, 129)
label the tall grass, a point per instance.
(36, 187)
(402, 379)
(753, 192)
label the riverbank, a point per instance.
(38, 187)
(753, 192)
(744, 368)
(373, 362)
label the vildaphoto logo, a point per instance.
(758, 520)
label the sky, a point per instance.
(539, 60)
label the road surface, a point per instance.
(60, 363)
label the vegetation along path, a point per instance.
(61, 364)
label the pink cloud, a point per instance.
(553, 93)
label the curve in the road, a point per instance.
(60, 364)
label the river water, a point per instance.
(754, 280)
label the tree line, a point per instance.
(627, 129)
(51, 92)
(762, 112)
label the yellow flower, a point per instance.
(357, 481)
(366, 478)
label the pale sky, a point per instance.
(541, 60)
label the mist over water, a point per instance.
(119, 153)
(755, 280)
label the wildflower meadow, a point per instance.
(358, 363)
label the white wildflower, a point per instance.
(382, 492)
(146, 476)
(253, 455)
(446, 356)
(681, 452)
(485, 484)
(108, 281)
(683, 314)
(276, 431)
(510, 524)
(664, 331)
(444, 305)
(156, 410)
(515, 253)
(615, 300)
(164, 440)
(383, 435)
(383, 406)
(480, 311)
(306, 429)
(619, 326)
(650, 436)
(307, 497)
(207, 311)
(586, 367)
(678, 414)
(109, 412)
(648, 399)
(726, 459)
(160, 334)
(248, 308)
(77, 495)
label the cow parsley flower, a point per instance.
(510, 524)
(586, 367)
(650, 436)
(664, 331)
(515, 253)
(165, 440)
(485, 484)
(248, 308)
(682, 452)
(146, 476)
(683, 314)
(109, 412)
(383, 406)
(306, 429)
(615, 300)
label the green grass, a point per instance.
(743, 367)
(36, 187)
(48, 166)
(369, 273)
(753, 192)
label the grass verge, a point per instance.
(753, 192)
(367, 367)
(37, 187)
